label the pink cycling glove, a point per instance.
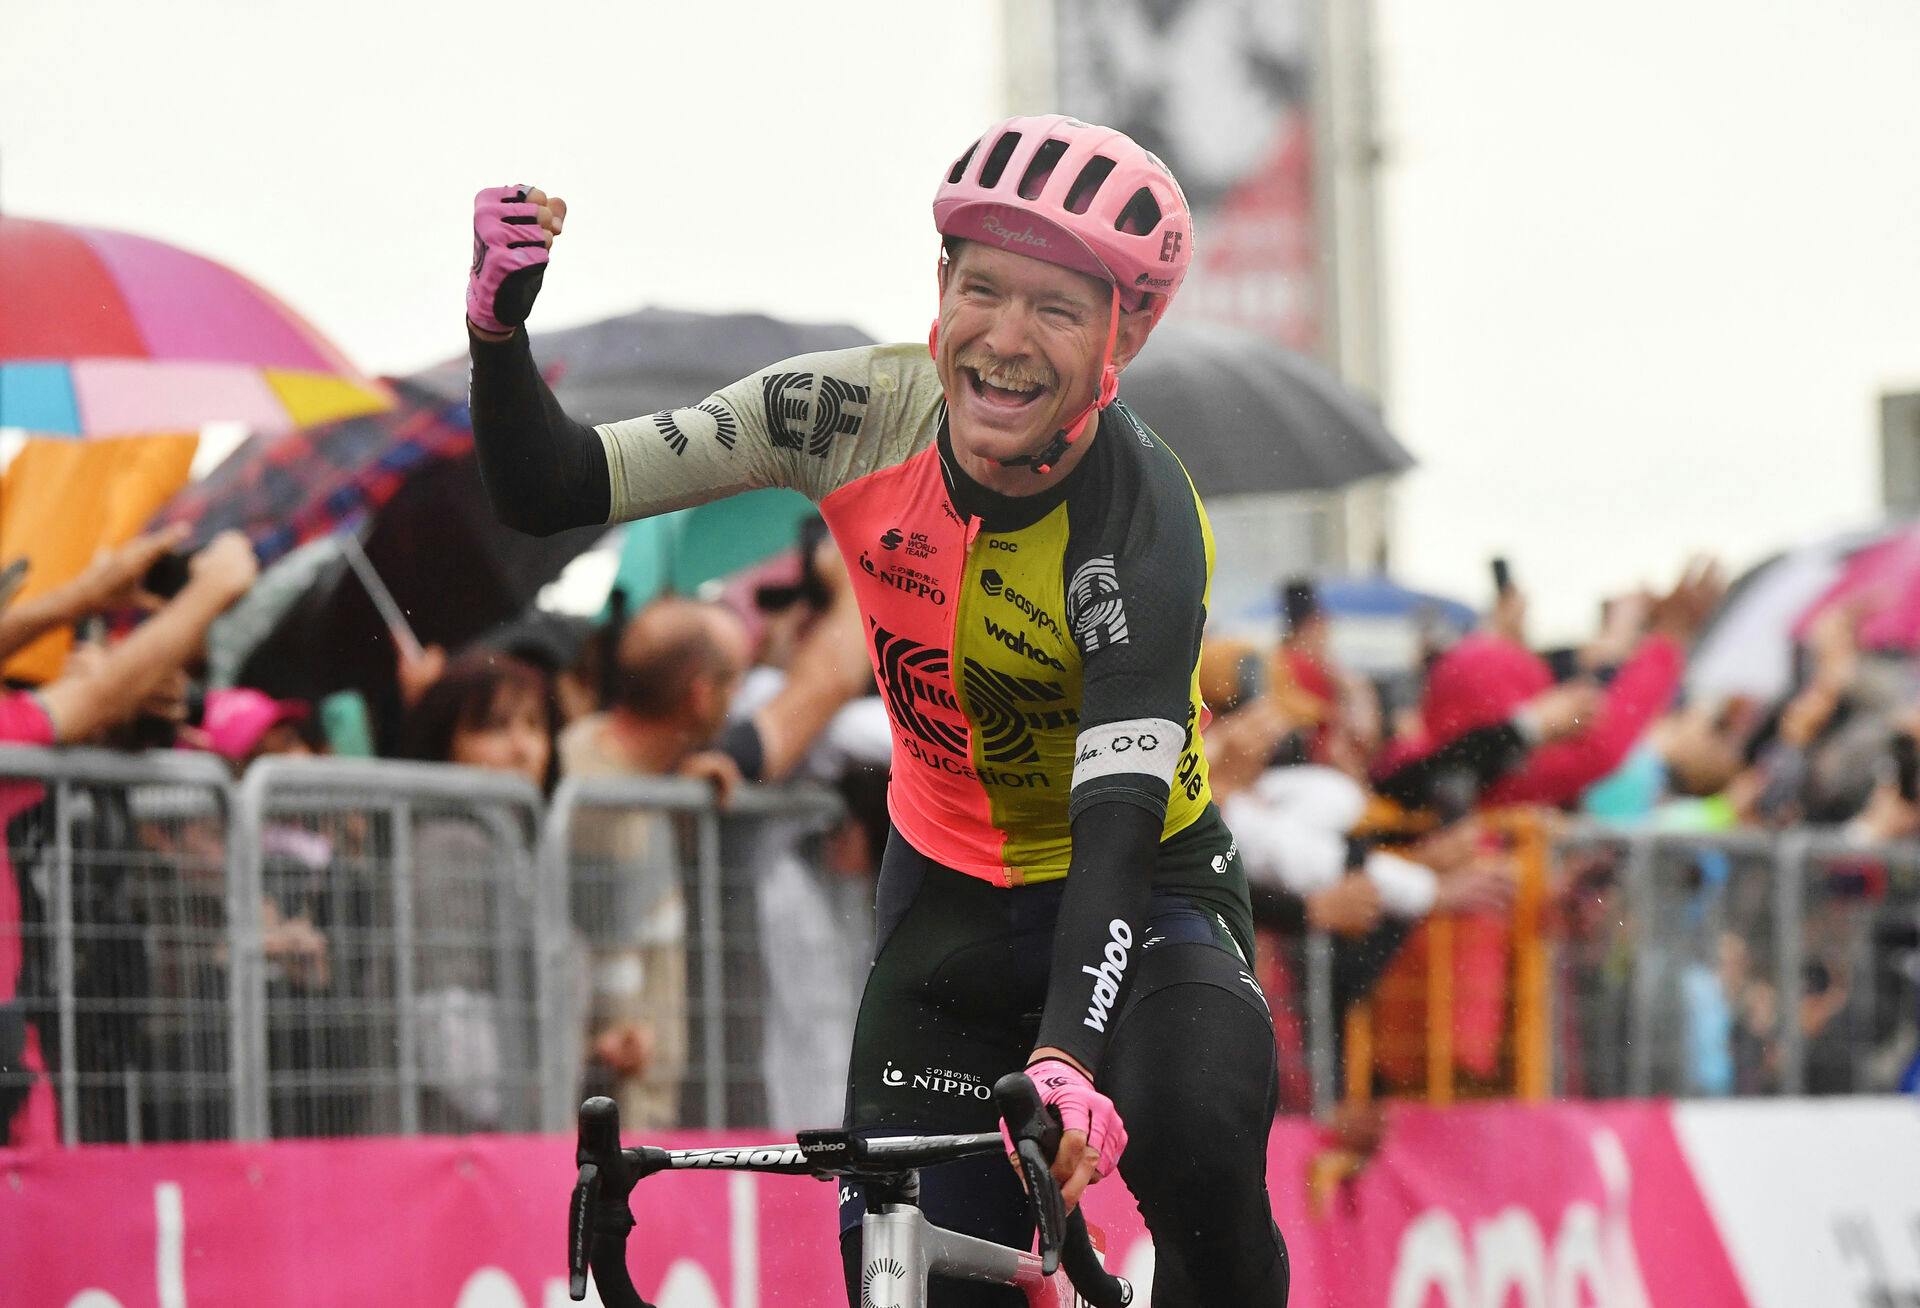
(509, 258)
(1066, 1090)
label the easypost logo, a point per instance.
(995, 585)
(1107, 976)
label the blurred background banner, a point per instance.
(1219, 90)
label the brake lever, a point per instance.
(1036, 1139)
(586, 1198)
(599, 1218)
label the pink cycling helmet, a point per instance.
(1084, 197)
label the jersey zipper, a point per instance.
(966, 559)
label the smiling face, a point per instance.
(1021, 348)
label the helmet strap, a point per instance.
(1043, 459)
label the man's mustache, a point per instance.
(1014, 374)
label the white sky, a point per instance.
(774, 157)
(1648, 266)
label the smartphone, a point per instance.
(1906, 766)
(167, 577)
(1502, 577)
(12, 578)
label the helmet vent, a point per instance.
(1141, 215)
(997, 159)
(1034, 180)
(1087, 184)
(959, 169)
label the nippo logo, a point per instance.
(1508, 1257)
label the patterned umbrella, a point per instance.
(284, 491)
(105, 333)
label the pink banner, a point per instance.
(1481, 1207)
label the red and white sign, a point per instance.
(1496, 1206)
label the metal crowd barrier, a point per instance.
(332, 947)
(125, 966)
(389, 970)
(1647, 963)
(1744, 963)
(654, 891)
(350, 947)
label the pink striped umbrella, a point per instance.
(1884, 580)
(105, 333)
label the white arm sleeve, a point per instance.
(811, 424)
(1407, 889)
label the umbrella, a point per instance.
(1248, 417)
(682, 551)
(107, 333)
(1245, 415)
(452, 568)
(1747, 647)
(656, 359)
(286, 490)
(1884, 579)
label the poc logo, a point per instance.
(1007, 545)
(1107, 977)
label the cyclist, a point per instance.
(1058, 890)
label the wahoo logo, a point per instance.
(1017, 641)
(1108, 976)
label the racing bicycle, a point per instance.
(900, 1248)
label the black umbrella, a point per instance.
(1249, 417)
(451, 566)
(655, 359)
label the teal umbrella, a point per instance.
(679, 552)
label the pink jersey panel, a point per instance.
(906, 549)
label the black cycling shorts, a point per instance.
(953, 1003)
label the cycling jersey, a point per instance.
(1037, 653)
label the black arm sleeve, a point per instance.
(1102, 914)
(1450, 780)
(543, 471)
(741, 742)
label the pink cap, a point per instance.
(1480, 681)
(235, 720)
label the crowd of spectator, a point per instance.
(1361, 807)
